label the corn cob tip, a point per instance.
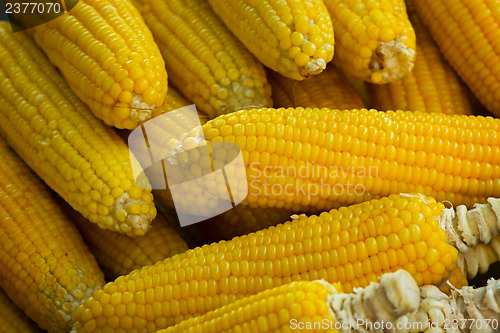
(132, 224)
(313, 67)
(392, 60)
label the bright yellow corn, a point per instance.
(432, 86)
(269, 311)
(375, 39)
(59, 138)
(353, 245)
(12, 319)
(292, 37)
(330, 89)
(108, 56)
(204, 60)
(311, 307)
(119, 254)
(315, 159)
(46, 269)
(467, 34)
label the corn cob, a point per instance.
(73, 152)
(119, 254)
(292, 37)
(12, 319)
(175, 100)
(311, 159)
(204, 60)
(330, 89)
(108, 56)
(46, 269)
(353, 245)
(306, 304)
(432, 86)
(466, 33)
(375, 39)
(479, 258)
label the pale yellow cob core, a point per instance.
(467, 33)
(13, 319)
(203, 58)
(375, 39)
(72, 151)
(108, 56)
(432, 86)
(292, 37)
(309, 159)
(330, 89)
(46, 268)
(353, 245)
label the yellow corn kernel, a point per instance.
(466, 33)
(456, 280)
(432, 86)
(83, 160)
(204, 60)
(47, 269)
(292, 37)
(110, 38)
(330, 89)
(314, 159)
(375, 39)
(13, 319)
(273, 310)
(336, 246)
(119, 254)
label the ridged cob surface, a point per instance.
(203, 58)
(292, 37)
(374, 39)
(353, 245)
(59, 138)
(467, 34)
(13, 319)
(432, 86)
(309, 159)
(45, 267)
(108, 56)
(330, 89)
(119, 254)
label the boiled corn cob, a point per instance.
(109, 58)
(375, 39)
(119, 254)
(292, 37)
(45, 267)
(467, 35)
(432, 86)
(330, 89)
(12, 319)
(314, 159)
(204, 60)
(302, 305)
(353, 245)
(73, 152)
